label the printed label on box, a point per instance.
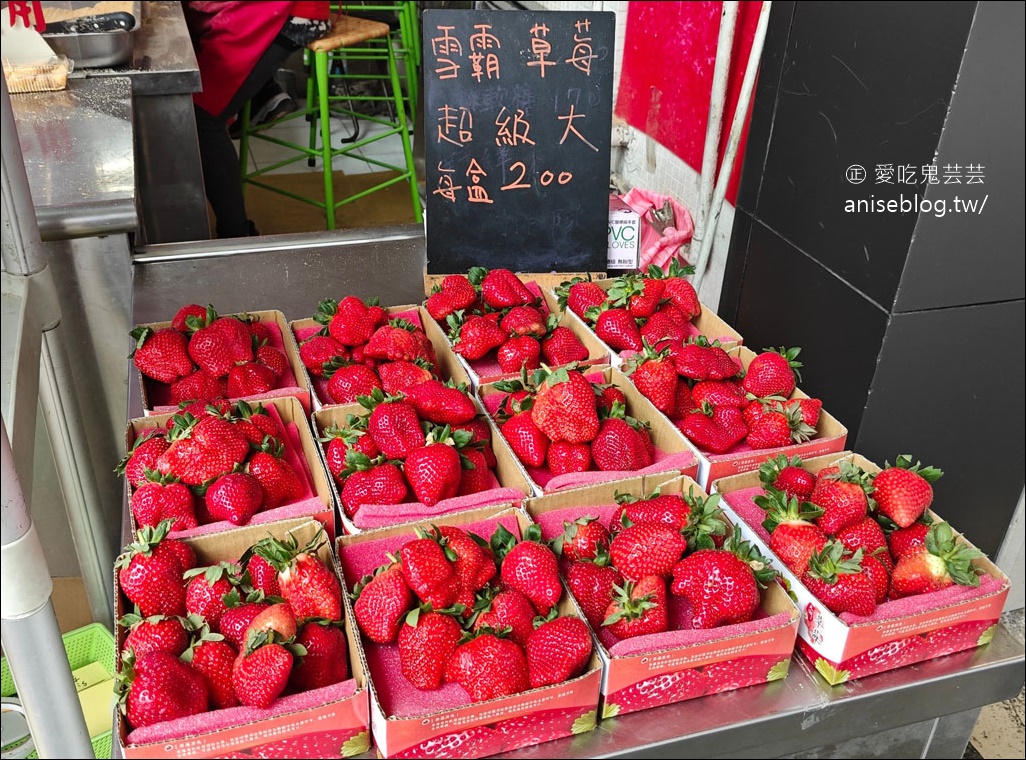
(624, 235)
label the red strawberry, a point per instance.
(207, 586)
(810, 409)
(261, 574)
(235, 497)
(476, 336)
(581, 539)
(250, 378)
(579, 295)
(455, 294)
(429, 571)
(163, 497)
(326, 661)
(646, 549)
(488, 667)
(399, 376)
(793, 536)
(664, 327)
(866, 535)
(371, 483)
(475, 476)
(158, 633)
(519, 353)
(180, 321)
(562, 346)
(713, 429)
(620, 446)
(278, 618)
(161, 687)
(280, 482)
(426, 641)
(523, 320)
(908, 540)
(507, 608)
(215, 659)
(434, 471)
(942, 562)
(772, 373)
(381, 603)
(237, 618)
(161, 354)
(776, 429)
(273, 358)
(320, 352)
(199, 386)
(842, 496)
(663, 509)
(639, 294)
(399, 340)
(261, 672)
(693, 360)
(903, 492)
(592, 584)
(349, 321)
(222, 343)
(442, 403)
(348, 383)
(500, 288)
(719, 393)
(608, 396)
(788, 476)
(255, 423)
(342, 440)
(150, 573)
(529, 566)
(310, 586)
(563, 457)
(879, 574)
(143, 456)
(655, 376)
(565, 407)
(617, 328)
(394, 425)
(684, 402)
(722, 585)
(261, 332)
(682, 294)
(638, 608)
(557, 651)
(835, 576)
(528, 442)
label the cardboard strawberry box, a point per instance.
(301, 452)
(900, 631)
(407, 722)
(447, 364)
(156, 396)
(830, 437)
(487, 369)
(660, 668)
(510, 483)
(707, 323)
(673, 452)
(331, 721)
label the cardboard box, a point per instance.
(318, 505)
(448, 365)
(707, 323)
(676, 665)
(900, 632)
(624, 237)
(513, 484)
(677, 455)
(329, 722)
(830, 438)
(444, 723)
(155, 395)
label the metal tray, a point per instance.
(94, 50)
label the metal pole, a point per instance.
(31, 639)
(717, 99)
(740, 112)
(24, 256)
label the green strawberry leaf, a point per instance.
(779, 671)
(610, 710)
(584, 723)
(357, 745)
(833, 676)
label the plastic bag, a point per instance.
(660, 244)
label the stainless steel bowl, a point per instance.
(94, 50)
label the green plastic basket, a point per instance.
(90, 643)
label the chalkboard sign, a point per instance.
(517, 122)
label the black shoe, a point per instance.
(277, 107)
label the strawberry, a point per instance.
(507, 608)
(250, 378)
(370, 482)
(237, 617)
(342, 440)
(255, 423)
(310, 587)
(326, 661)
(908, 540)
(235, 497)
(810, 409)
(676, 288)
(842, 496)
(487, 667)
(692, 360)
(866, 535)
(150, 573)
(565, 406)
(320, 352)
(260, 574)
(722, 585)
(639, 294)
(381, 602)
(348, 383)
(199, 386)
(399, 376)
(706, 528)
(684, 402)
(655, 376)
(776, 429)
(561, 347)
(793, 536)
(578, 295)
(394, 425)
(161, 354)
(608, 396)
(143, 456)
(434, 471)
(163, 497)
(442, 403)
(215, 659)
(638, 608)
(528, 566)
(523, 320)
(835, 576)
(619, 445)
(426, 640)
(646, 549)
(718, 393)
(273, 358)
(399, 340)
(716, 429)
(218, 435)
(474, 565)
(476, 336)
(280, 482)
(879, 573)
(220, 344)
(157, 687)
(581, 539)
(500, 288)
(788, 476)
(666, 326)
(261, 671)
(349, 321)
(904, 492)
(563, 457)
(275, 617)
(429, 571)
(617, 328)
(180, 321)
(772, 373)
(158, 633)
(528, 442)
(519, 353)
(204, 593)
(942, 562)
(662, 509)
(592, 584)
(557, 651)
(454, 294)
(475, 476)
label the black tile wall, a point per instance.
(949, 390)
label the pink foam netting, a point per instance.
(231, 717)
(695, 637)
(401, 698)
(382, 515)
(551, 523)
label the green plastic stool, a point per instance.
(351, 39)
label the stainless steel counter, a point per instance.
(925, 710)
